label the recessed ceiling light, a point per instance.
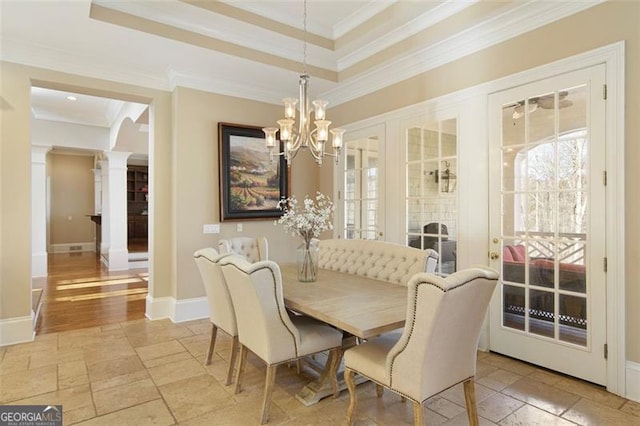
(72, 98)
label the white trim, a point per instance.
(159, 307)
(612, 56)
(359, 17)
(514, 22)
(191, 309)
(633, 381)
(66, 247)
(223, 86)
(138, 255)
(177, 310)
(393, 34)
(118, 259)
(17, 330)
(616, 277)
(138, 264)
(138, 260)
(39, 262)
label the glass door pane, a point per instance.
(544, 204)
(361, 189)
(431, 197)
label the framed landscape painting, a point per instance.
(251, 185)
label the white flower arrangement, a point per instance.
(308, 222)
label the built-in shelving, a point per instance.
(137, 200)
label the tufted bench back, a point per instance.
(253, 249)
(379, 260)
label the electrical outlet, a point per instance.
(212, 228)
(239, 227)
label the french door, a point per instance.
(547, 223)
(361, 186)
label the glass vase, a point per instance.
(307, 259)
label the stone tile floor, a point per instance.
(152, 372)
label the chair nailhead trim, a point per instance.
(413, 319)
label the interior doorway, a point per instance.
(77, 290)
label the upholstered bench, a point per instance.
(379, 260)
(253, 249)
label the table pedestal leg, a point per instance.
(321, 387)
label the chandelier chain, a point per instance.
(304, 41)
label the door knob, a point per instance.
(494, 255)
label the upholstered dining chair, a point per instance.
(254, 249)
(437, 348)
(265, 327)
(221, 312)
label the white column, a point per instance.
(39, 210)
(104, 237)
(118, 252)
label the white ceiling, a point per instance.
(253, 49)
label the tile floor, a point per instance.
(151, 372)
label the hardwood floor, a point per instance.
(135, 245)
(80, 292)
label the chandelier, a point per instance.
(304, 137)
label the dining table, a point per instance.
(360, 306)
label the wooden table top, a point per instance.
(361, 306)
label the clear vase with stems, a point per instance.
(307, 222)
(307, 260)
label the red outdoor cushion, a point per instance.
(518, 253)
(506, 254)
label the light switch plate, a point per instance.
(212, 228)
(239, 227)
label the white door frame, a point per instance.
(613, 58)
(587, 361)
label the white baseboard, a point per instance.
(633, 381)
(160, 307)
(136, 256)
(118, 259)
(16, 330)
(177, 310)
(138, 264)
(191, 309)
(72, 247)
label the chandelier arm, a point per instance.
(296, 142)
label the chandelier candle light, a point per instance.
(304, 137)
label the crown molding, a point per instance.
(225, 87)
(360, 16)
(512, 23)
(38, 56)
(349, 56)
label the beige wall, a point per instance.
(15, 177)
(72, 198)
(15, 195)
(596, 27)
(197, 192)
